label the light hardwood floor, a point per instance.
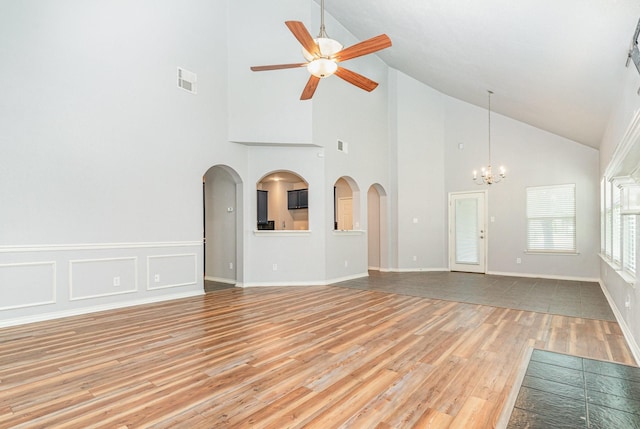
(316, 357)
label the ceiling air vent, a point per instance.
(187, 80)
(343, 147)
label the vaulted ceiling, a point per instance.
(555, 64)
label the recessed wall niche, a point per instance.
(282, 202)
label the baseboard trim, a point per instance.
(415, 270)
(283, 284)
(305, 283)
(544, 276)
(631, 342)
(94, 309)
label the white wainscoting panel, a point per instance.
(27, 284)
(92, 278)
(165, 271)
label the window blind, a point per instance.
(629, 244)
(607, 226)
(603, 217)
(551, 218)
(616, 224)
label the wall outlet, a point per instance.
(275, 267)
(518, 260)
(116, 281)
(231, 265)
(415, 258)
(627, 302)
(156, 278)
(346, 263)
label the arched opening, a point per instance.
(282, 201)
(346, 206)
(377, 228)
(222, 205)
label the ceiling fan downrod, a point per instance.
(323, 33)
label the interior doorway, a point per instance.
(467, 232)
(345, 214)
(377, 233)
(222, 226)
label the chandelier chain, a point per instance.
(487, 176)
(489, 128)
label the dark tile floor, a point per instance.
(564, 391)
(210, 286)
(564, 297)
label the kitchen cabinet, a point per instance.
(298, 199)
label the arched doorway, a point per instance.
(377, 228)
(346, 207)
(223, 247)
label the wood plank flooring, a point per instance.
(313, 357)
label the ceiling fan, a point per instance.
(323, 55)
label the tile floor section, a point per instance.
(564, 391)
(563, 297)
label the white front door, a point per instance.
(467, 232)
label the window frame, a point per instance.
(545, 205)
(620, 228)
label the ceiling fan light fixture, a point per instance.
(327, 47)
(322, 67)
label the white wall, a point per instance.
(421, 198)
(101, 155)
(264, 107)
(298, 256)
(532, 157)
(617, 288)
(344, 112)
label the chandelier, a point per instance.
(487, 176)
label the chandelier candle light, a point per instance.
(486, 175)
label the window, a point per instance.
(607, 218)
(618, 223)
(603, 237)
(551, 218)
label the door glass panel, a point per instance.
(466, 212)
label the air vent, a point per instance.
(187, 80)
(343, 146)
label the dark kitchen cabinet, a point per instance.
(298, 199)
(263, 202)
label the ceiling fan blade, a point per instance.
(363, 48)
(278, 67)
(356, 79)
(302, 34)
(308, 91)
